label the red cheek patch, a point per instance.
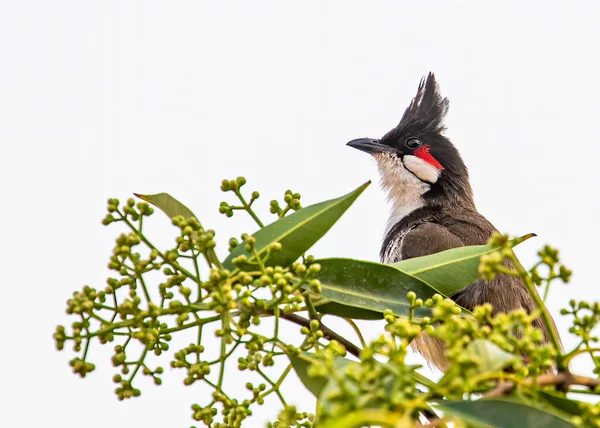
(423, 153)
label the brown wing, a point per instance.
(428, 238)
(504, 292)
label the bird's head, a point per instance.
(416, 158)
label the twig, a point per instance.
(327, 332)
(570, 355)
(545, 315)
(563, 379)
(357, 331)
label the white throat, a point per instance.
(405, 183)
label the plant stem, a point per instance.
(312, 312)
(276, 333)
(143, 284)
(199, 322)
(152, 247)
(357, 331)
(582, 391)
(280, 299)
(275, 385)
(231, 351)
(261, 266)
(567, 358)
(139, 363)
(564, 379)
(99, 318)
(222, 357)
(248, 209)
(197, 270)
(199, 341)
(284, 211)
(543, 310)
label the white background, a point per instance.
(102, 99)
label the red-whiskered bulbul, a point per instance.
(432, 206)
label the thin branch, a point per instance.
(563, 379)
(357, 331)
(249, 210)
(327, 332)
(545, 315)
(567, 358)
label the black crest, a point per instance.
(424, 119)
(426, 112)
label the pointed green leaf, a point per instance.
(173, 208)
(369, 286)
(370, 417)
(489, 356)
(332, 308)
(451, 270)
(563, 403)
(296, 232)
(425, 381)
(315, 384)
(168, 204)
(505, 413)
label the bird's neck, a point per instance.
(402, 204)
(407, 196)
(408, 189)
(404, 192)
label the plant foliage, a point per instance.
(500, 374)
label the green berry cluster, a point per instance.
(549, 263)
(586, 317)
(235, 186)
(157, 293)
(290, 417)
(197, 370)
(291, 200)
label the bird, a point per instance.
(432, 207)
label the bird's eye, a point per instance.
(413, 143)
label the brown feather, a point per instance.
(430, 230)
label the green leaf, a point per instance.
(173, 208)
(504, 413)
(489, 356)
(572, 407)
(332, 308)
(451, 270)
(369, 286)
(370, 417)
(425, 381)
(314, 384)
(360, 290)
(296, 232)
(168, 204)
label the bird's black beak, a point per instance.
(369, 145)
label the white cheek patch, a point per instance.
(422, 169)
